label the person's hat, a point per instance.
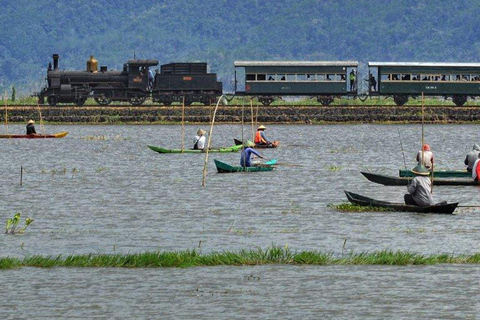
(31, 121)
(421, 170)
(262, 127)
(426, 147)
(201, 132)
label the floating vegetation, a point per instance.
(12, 223)
(349, 207)
(334, 168)
(101, 169)
(273, 255)
(104, 138)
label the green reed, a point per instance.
(349, 207)
(272, 255)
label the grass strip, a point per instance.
(272, 255)
(349, 207)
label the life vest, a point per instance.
(477, 170)
(259, 139)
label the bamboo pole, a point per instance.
(21, 175)
(6, 111)
(42, 129)
(208, 143)
(183, 124)
(251, 116)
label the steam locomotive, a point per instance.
(175, 82)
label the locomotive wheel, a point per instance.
(103, 101)
(400, 100)
(52, 100)
(138, 99)
(80, 101)
(459, 100)
(265, 101)
(325, 100)
(167, 101)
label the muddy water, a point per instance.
(101, 190)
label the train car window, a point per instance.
(395, 77)
(406, 77)
(445, 77)
(385, 77)
(251, 77)
(313, 77)
(291, 77)
(271, 77)
(330, 77)
(342, 77)
(425, 77)
(302, 77)
(475, 77)
(466, 77)
(454, 77)
(415, 77)
(436, 77)
(281, 77)
(261, 77)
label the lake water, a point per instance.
(102, 190)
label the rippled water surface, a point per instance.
(101, 190)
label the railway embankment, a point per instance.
(234, 114)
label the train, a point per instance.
(189, 82)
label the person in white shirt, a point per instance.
(200, 139)
(425, 157)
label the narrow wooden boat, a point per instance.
(226, 149)
(33, 136)
(259, 146)
(223, 167)
(403, 181)
(354, 198)
(439, 173)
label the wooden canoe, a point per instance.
(354, 198)
(223, 167)
(33, 136)
(226, 149)
(259, 146)
(439, 173)
(403, 181)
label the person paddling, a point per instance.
(425, 157)
(200, 140)
(471, 157)
(247, 152)
(31, 127)
(261, 138)
(420, 189)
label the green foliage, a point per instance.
(349, 207)
(221, 32)
(12, 223)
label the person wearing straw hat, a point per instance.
(245, 157)
(420, 189)
(260, 137)
(425, 157)
(200, 140)
(31, 127)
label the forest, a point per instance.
(222, 31)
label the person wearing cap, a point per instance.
(472, 157)
(420, 189)
(260, 137)
(476, 169)
(31, 127)
(246, 154)
(200, 140)
(427, 157)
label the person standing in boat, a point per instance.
(31, 127)
(426, 155)
(471, 157)
(261, 138)
(245, 157)
(200, 139)
(420, 189)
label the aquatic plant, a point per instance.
(271, 255)
(12, 223)
(349, 207)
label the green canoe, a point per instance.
(223, 167)
(226, 149)
(439, 173)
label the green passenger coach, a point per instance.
(410, 79)
(323, 80)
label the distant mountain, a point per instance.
(222, 31)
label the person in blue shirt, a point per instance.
(245, 160)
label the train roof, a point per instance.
(423, 64)
(295, 63)
(137, 62)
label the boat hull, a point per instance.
(439, 173)
(225, 150)
(33, 136)
(403, 181)
(354, 198)
(223, 167)
(259, 146)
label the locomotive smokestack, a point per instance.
(55, 61)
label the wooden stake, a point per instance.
(209, 139)
(251, 115)
(183, 124)
(6, 112)
(21, 175)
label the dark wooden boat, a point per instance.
(403, 181)
(221, 150)
(439, 173)
(223, 167)
(354, 198)
(259, 146)
(33, 136)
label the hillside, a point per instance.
(221, 31)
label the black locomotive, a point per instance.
(176, 82)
